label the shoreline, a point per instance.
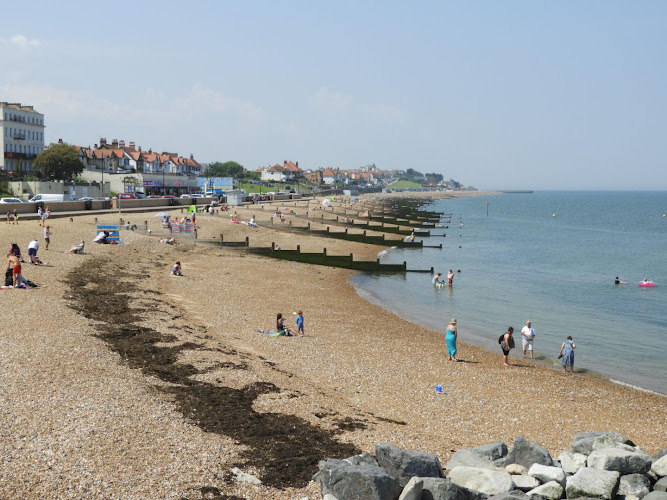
(539, 360)
(97, 424)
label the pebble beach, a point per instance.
(118, 380)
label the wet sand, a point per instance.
(118, 379)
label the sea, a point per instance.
(549, 257)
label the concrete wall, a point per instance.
(74, 206)
(28, 189)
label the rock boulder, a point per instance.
(572, 462)
(592, 483)
(481, 480)
(634, 484)
(526, 453)
(405, 464)
(545, 474)
(551, 491)
(344, 480)
(443, 489)
(659, 467)
(620, 460)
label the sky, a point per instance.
(498, 95)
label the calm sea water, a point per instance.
(523, 263)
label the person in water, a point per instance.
(619, 282)
(436, 279)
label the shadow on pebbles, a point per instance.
(285, 448)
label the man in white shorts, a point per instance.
(527, 336)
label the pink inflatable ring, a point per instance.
(646, 283)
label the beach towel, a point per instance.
(273, 333)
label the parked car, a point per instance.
(169, 196)
(153, 196)
(140, 196)
(50, 198)
(126, 196)
(186, 196)
(13, 200)
(86, 198)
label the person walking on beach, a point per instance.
(567, 354)
(507, 344)
(527, 334)
(47, 236)
(450, 277)
(450, 339)
(16, 217)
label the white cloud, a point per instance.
(331, 101)
(206, 98)
(384, 112)
(22, 42)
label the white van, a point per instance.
(50, 198)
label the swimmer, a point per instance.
(436, 279)
(619, 282)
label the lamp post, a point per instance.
(164, 188)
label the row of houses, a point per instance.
(119, 157)
(290, 172)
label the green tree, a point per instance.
(59, 161)
(226, 169)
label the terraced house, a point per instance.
(21, 137)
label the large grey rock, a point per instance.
(328, 496)
(412, 490)
(344, 480)
(516, 469)
(526, 453)
(545, 474)
(571, 462)
(661, 484)
(656, 495)
(659, 467)
(625, 462)
(405, 464)
(583, 443)
(481, 480)
(362, 459)
(443, 489)
(525, 482)
(660, 454)
(510, 495)
(592, 483)
(634, 484)
(551, 491)
(612, 440)
(489, 455)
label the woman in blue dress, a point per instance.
(567, 354)
(450, 339)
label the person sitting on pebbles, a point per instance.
(176, 269)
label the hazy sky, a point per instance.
(497, 94)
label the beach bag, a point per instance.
(501, 338)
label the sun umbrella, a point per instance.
(162, 214)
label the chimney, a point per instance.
(114, 142)
(103, 140)
(297, 164)
(284, 162)
(192, 156)
(95, 146)
(140, 149)
(121, 144)
(60, 141)
(131, 145)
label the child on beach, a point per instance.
(299, 324)
(176, 270)
(47, 236)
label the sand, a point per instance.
(119, 380)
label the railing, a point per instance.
(20, 137)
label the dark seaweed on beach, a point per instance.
(285, 448)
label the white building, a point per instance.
(21, 137)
